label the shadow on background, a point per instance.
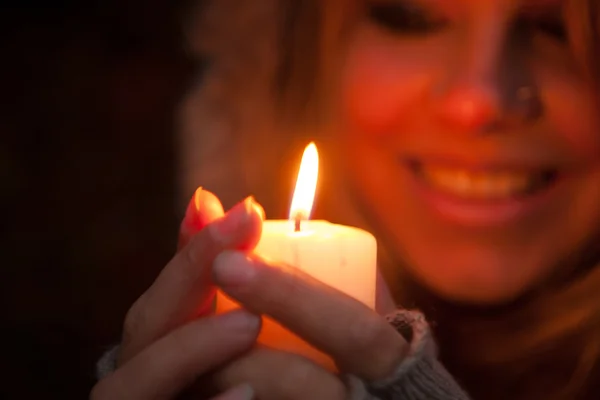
(89, 90)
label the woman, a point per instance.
(463, 134)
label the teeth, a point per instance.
(479, 184)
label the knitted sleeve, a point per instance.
(107, 363)
(420, 376)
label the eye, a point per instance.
(552, 27)
(404, 17)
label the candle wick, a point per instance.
(298, 217)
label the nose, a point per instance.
(479, 92)
(471, 106)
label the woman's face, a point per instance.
(472, 136)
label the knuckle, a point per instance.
(284, 288)
(135, 320)
(196, 254)
(376, 347)
(190, 252)
(367, 334)
(132, 322)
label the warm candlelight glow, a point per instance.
(304, 193)
(342, 257)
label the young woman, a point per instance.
(464, 134)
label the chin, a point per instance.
(483, 283)
(477, 294)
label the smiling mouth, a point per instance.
(485, 184)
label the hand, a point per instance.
(165, 345)
(359, 340)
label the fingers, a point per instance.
(183, 290)
(360, 341)
(172, 363)
(276, 375)
(203, 209)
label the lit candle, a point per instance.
(339, 256)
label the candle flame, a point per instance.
(304, 193)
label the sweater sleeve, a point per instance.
(107, 364)
(420, 376)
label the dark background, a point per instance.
(89, 90)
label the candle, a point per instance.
(339, 256)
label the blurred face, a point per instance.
(473, 139)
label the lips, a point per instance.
(485, 195)
(484, 184)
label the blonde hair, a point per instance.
(270, 62)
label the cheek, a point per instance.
(380, 87)
(571, 111)
(575, 115)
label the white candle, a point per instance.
(339, 256)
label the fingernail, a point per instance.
(259, 209)
(191, 213)
(234, 219)
(232, 268)
(240, 320)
